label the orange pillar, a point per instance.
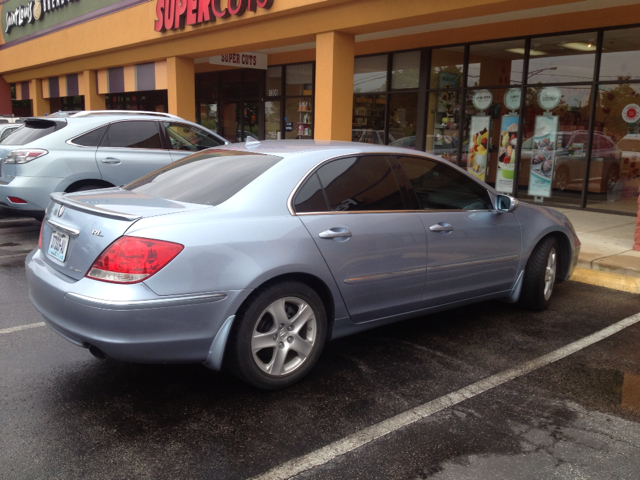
(181, 87)
(334, 85)
(5, 98)
(39, 104)
(89, 89)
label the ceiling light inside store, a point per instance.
(583, 47)
(521, 51)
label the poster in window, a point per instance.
(543, 156)
(478, 146)
(507, 154)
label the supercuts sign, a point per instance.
(174, 14)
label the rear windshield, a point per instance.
(207, 178)
(31, 131)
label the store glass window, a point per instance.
(360, 184)
(614, 173)
(274, 82)
(620, 55)
(252, 83)
(299, 79)
(446, 67)
(497, 63)
(563, 58)
(368, 118)
(555, 141)
(443, 122)
(298, 119)
(405, 71)
(370, 74)
(272, 120)
(231, 84)
(403, 115)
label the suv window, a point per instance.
(188, 137)
(91, 139)
(440, 187)
(360, 184)
(33, 130)
(133, 134)
(207, 178)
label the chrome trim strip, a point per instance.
(473, 263)
(359, 211)
(137, 304)
(63, 228)
(385, 276)
(59, 197)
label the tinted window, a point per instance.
(91, 139)
(188, 137)
(133, 135)
(310, 197)
(31, 132)
(360, 184)
(440, 187)
(207, 178)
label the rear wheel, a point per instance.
(278, 336)
(540, 275)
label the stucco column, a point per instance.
(39, 104)
(5, 98)
(334, 85)
(89, 89)
(181, 87)
(636, 236)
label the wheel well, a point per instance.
(564, 248)
(85, 183)
(312, 281)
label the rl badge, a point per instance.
(174, 14)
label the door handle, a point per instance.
(441, 227)
(335, 233)
(111, 161)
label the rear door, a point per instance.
(131, 149)
(472, 250)
(375, 248)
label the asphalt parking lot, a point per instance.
(64, 414)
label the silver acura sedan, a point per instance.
(251, 256)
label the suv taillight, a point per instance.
(133, 259)
(24, 155)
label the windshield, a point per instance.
(208, 178)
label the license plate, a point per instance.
(58, 245)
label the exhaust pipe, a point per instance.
(96, 352)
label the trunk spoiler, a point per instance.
(59, 197)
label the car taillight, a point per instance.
(133, 259)
(40, 236)
(24, 155)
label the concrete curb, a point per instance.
(622, 283)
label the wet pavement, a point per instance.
(64, 414)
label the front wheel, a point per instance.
(540, 275)
(278, 336)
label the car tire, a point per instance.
(562, 179)
(277, 336)
(540, 275)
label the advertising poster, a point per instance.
(507, 154)
(478, 145)
(543, 156)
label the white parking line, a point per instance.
(358, 439)
(22, 327)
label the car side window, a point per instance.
(360, 184)
(133, 134)
(440, 187)
(188, 137)
(310, 198)
(90, 139)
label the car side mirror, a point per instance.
(506, 203)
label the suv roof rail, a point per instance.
(91, 113)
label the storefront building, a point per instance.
(540, 99)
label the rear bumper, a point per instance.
(139, 326)
(34, 190)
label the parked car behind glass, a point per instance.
(253, 255)
(89, 150)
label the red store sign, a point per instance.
(174, 14)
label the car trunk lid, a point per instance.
(79, 226)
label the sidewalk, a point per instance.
(606, 253)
